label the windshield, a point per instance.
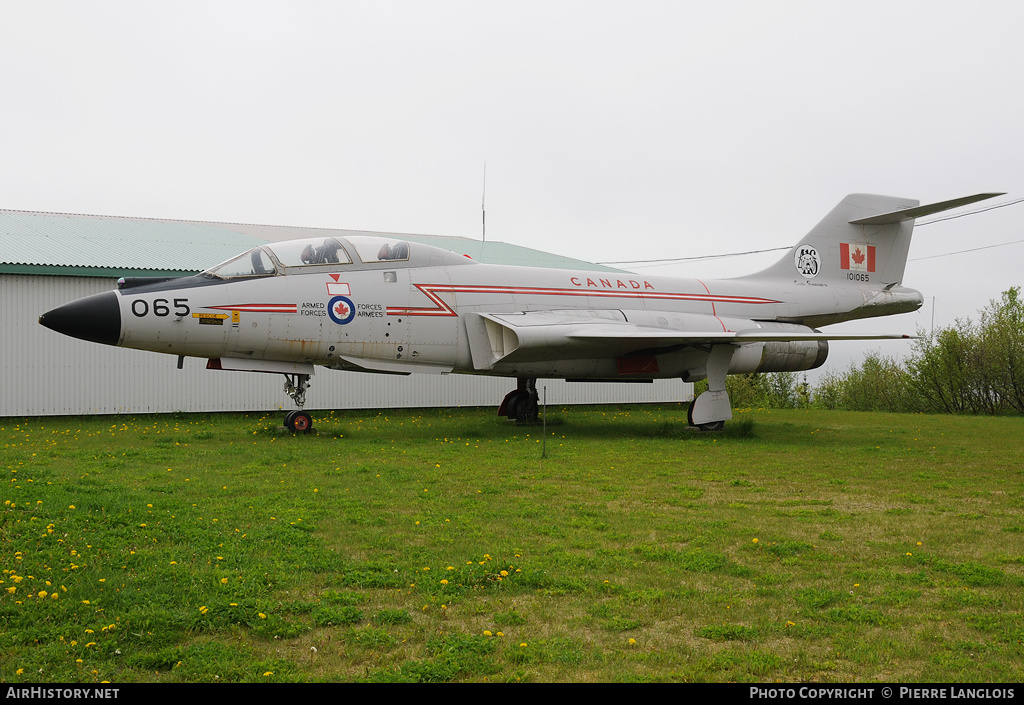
(254, 263)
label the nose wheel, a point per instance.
(298, 421)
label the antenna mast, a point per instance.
(483, 209)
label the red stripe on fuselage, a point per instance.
(441, 308)
(259, 308)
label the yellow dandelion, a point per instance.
(487, 633)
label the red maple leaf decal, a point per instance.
(857, 256)
(341, 309)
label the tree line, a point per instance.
(967, 368)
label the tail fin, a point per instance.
(864, 239)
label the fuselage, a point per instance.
(389, 306)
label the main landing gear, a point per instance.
(711, 410)
(522, 403)
(297, 421)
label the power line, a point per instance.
(694, 259)
(960, 252)
(777, 249)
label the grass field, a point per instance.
(440, 546)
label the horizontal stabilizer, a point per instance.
(920, 211)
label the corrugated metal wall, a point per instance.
(45, 373)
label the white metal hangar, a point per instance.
(48, 259)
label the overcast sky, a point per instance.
(610, 130)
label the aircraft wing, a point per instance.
(540, 335)
(752, 335)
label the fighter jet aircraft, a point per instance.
(389, 306)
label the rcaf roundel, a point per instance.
(857, 257)
(341, 310)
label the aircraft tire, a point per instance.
(521, 406)
(526, 409)
(512, 405)
(712, 426)
(299, 422)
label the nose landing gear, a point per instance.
(297, 421)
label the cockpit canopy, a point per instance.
(330, 253)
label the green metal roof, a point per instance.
(90, 245)
(84, 242)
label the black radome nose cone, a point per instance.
(95, 318)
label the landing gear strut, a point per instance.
(521, 404)
(297, 421)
